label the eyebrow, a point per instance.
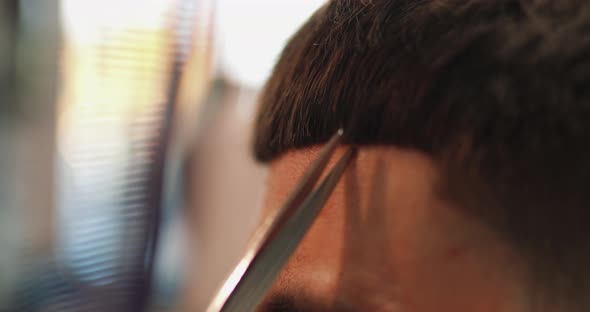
(292, 303)
(281, 303)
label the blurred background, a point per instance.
(127, 177)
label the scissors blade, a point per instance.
(254, 275)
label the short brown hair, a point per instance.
(496, 91)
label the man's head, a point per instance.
(473, 119)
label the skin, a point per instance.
(386, 241)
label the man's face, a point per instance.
(387, 241)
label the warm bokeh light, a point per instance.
(83, 19)
(252, 33)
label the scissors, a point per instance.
(279, 234)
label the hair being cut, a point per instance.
(496, 92)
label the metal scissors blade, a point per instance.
(280, 234)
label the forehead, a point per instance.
(386, 240)
(346, 254)
(378, 173)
